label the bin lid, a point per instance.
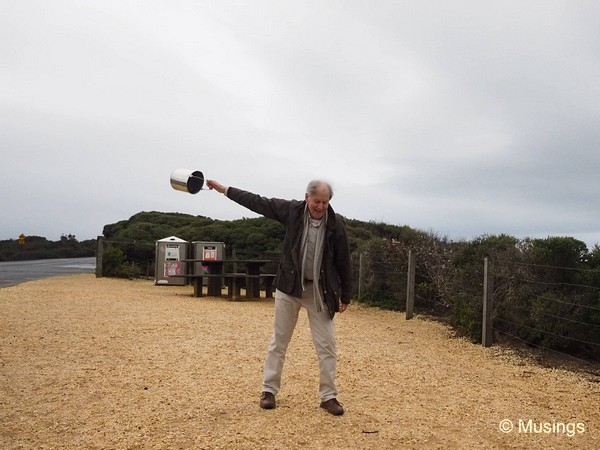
(172, 239)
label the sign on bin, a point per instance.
(210, 253)
(172, 264)
(172, 268)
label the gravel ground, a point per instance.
(106, 363)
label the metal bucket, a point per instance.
(187, 180)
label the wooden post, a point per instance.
(99, 256)
(488, 295)
(360, 275)
(410, 286)
(235, 291)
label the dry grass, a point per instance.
(105, 363)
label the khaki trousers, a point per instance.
(322, 331)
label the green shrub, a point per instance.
(115, 264)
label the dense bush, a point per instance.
(382, 276)
(115, 264)
(256, 238)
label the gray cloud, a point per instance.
(463, 118)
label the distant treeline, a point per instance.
(37, 247)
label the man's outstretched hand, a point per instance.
(212, 184)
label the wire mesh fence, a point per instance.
(127, 259)
(548, 307)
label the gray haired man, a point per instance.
(314, 273)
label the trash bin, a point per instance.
(170, 252)
(208, 251)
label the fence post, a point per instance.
(360, 275)
(488, 294)
(99, 256)
(234, 279)
(410, 286)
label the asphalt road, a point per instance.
(15, 272)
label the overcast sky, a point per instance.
(459, 117)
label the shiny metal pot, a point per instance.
(187, 180)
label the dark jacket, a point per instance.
(336, 269)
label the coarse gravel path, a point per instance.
(108, 363)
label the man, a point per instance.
(314, 273)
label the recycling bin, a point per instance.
(170, 255)
(207, 251)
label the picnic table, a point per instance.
(216, 276)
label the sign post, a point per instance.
(22, 239)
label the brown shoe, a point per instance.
(333, 407)
(267, 400)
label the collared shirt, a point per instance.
(311, 244)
